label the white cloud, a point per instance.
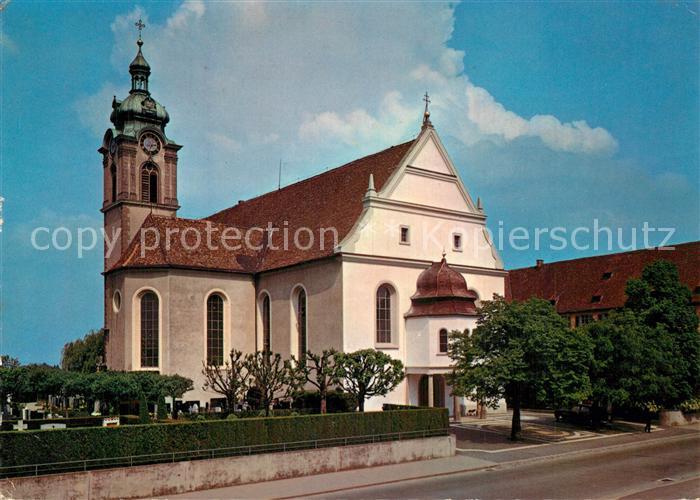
(186, 13)
(492, 118)
(248, 84)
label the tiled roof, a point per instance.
(332, 199)
(442, 291)
(172, 242)
(329, 200)
(598, 283)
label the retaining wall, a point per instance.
(181, 477)
(670, 418)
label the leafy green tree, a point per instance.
(232, 380)
(113, 387)
(632, 363)
(367, 373)
(520, 346)
(319, 370)
(273, 377)
(663, 303)
(86, 354)
(175, 386)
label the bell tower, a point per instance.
(139, 162)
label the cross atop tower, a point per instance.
(139, 26)
(426, 114)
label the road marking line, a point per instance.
(548, 443)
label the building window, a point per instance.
(113, 176)
(583, 319)
(301, 323)
(265, 311)
(607, 275)
(215, 330)
(405, 235)
(149, 183)
(457, 242)
(596, 298)
(149, 330)
(116, 301)
(384, 314)
(443, 341)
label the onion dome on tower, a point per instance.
(139, 110)
(442, 291)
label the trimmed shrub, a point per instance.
(144, 417)
(32, 447)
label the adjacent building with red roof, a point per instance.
(586, 289)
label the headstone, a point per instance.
(20, 426)
(52, 426)
(110, 422)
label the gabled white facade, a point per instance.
(427, 196)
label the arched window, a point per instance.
(149, 330)
(113, 176)
(149, 183)
(265, 312)
(215, 330)
(443, 340)
(384, 314)
(300, 307)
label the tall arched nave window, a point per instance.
(301, 326)
(150, 329)
(215, 330)
(384, 314)
(265, 316)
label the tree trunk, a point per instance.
(361, 401)
(323, 404)
(515, 427)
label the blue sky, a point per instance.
(555, 113)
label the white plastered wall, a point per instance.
(182, 307)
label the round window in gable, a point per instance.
(117, 301)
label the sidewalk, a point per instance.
(475, 460)
(345, 480)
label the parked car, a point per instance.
(581, 414)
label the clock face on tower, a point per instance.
(113, 147)
(150, 143)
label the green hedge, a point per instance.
(31, 447)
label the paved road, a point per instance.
(653, 470)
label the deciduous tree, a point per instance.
(367, 373)
(273, 377)
(517, 346)
(320, 370)
(86, 354)
(232, 380)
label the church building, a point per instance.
(388, 252)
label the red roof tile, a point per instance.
(173, 242)
(573, 284)
(332, 199)
(442, 291)
(329, 200)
